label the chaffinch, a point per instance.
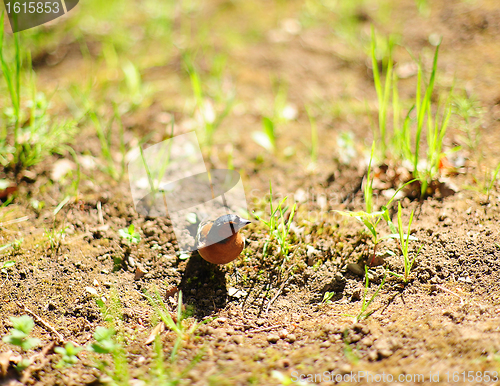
(219, 241)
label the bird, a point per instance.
(219, 241)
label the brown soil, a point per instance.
(446, 319)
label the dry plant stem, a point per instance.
(244, 326)
(157, 330)
(462, 301)
(374, 254)
(42, 322)
(17, 220)
(265, 328)
(43, 361)
(99, 212)
(277, 294)
(450, 292)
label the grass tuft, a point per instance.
(29, 134)
(430, 120)
(278, 225)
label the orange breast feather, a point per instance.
(224, 252)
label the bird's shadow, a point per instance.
(203, 286)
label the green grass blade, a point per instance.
(268, 127)
(368, 190)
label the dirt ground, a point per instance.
(264, 325)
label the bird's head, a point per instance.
(226, 226)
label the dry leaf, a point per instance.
(160, 327)
(139, 272)
(5, 362)
(171, 291)
(6, 189)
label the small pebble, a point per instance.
(358, 327)
(383, 347)
(330, 329)
(284, 363)
(345, 368)
(91, 291)
(384, 353)
(261, 322)
(273, 338)
(373, 355)
(357, 269)
(103, 257)
(283, 334)
(238, 339)
(356, 294)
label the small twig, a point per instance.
(42, 322)
(244, 326)
(278, 294)
(265, 328)
(99, 212)
(374, 254)
(17, 220)
(42, 355)
(273, 299)
(450, 292)
(462, 301)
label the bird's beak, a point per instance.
(243, 223)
